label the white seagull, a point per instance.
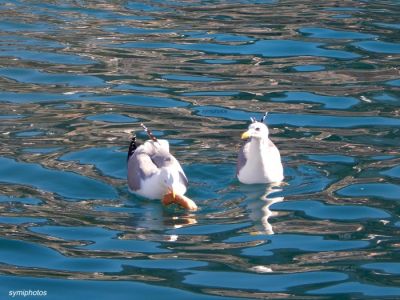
(154, 173)
(259, 160)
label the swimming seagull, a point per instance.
(154, 173)
(259, 160)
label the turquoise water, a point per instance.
(77, 77)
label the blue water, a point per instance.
(76, 80)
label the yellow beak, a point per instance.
(172, 192)
(245, 135)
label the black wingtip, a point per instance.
(132, 147)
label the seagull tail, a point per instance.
(132, 146)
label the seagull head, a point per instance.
(256, 130)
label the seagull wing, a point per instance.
(164, 159)
(241, 161)
(140, 167)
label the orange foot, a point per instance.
(181, 200)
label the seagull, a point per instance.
(259, 160)
(154, 173)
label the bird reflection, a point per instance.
(176, 222)
(154, 218)
(260, 211)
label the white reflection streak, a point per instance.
(187, 220)
(266, 208)
(264, 212)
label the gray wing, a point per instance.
(241, 161)
(166, 159)
(183, 178)
(140, 167)
(162, 159)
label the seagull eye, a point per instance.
(258, 129)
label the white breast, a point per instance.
(263, 164)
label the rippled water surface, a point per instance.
(77, 77)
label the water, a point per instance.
(77, 77)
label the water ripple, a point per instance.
(270, 48)
(66, 184)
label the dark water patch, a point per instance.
(100, 239)
(393, 172)
(47, 57)
(350, 9)
(81, 289)
(28, 41)
(12, 26)
(212, 93)
(11, 117)
(27, 200)
(309, 68)
(67, 184)
(112, 118)
(382, 157)
(296, 242)
(62, 106)
(141, 246)
(191, 78)
(395, 82)
(319, 210)
(387, 267)
(219, 61)
(26, 254)
(266, 48)
(388, 191)
(21, 220)
(80, 12)
(332, 158)
(26, 75)
(157, 133)
(128, 87)
(305, 180)
(41, 150)
(301, 120)
(218, 37)
(328, 102)
(29, 133)
(137, 30)
(36, 97)
(38, 256)
(379, 47)
(76, 233)
(138, 100)
(387, 98)
(144, 7)
(388, 25)
(341, 16)
(276, 283)
(209, 229)
(169, 264)
(210, 178)
(326, 33)
(109, 161)
(356, 288)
